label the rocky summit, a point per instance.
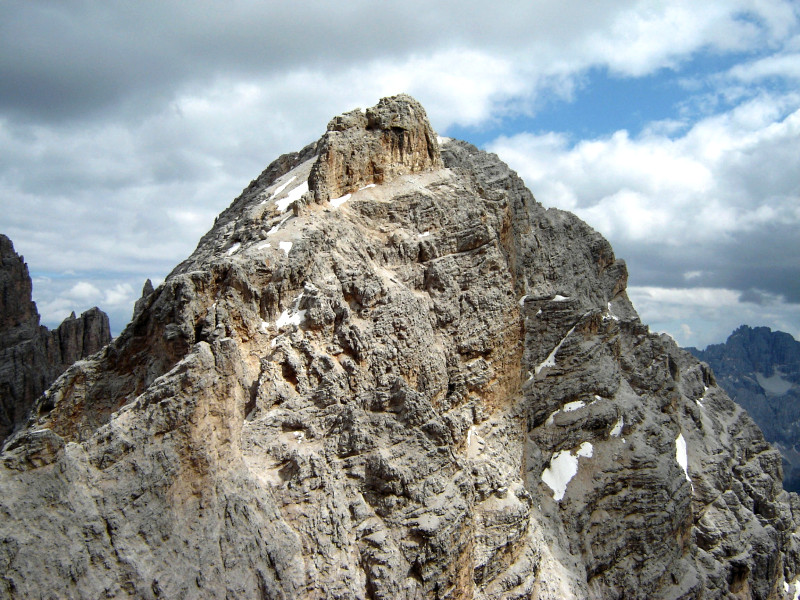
(31, 356)
(389, 372)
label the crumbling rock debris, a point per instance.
(359, 399)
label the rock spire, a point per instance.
(31, 357)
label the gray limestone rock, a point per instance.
(432, 388)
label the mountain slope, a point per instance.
(760, 369)
(388, 372)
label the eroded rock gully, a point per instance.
(432, 387)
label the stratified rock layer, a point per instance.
(31, 356)
(432, 388)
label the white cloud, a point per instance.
(701, 316)
(83, 292)
(120, 294)
(727, 174)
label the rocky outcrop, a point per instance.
(760, 370)
(373, 147)
(431, 388)
(31, 356)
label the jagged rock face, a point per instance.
(760, 370)
(372, 147)
(433, 388)
(31, 357)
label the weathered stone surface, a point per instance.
(373, 147)
(359, 400)
(31, 357)
(760, 370)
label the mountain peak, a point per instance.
(374, 146)
(425, 386)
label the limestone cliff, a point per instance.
(31, 356)
(388, 372)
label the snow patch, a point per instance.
(682, 456)
(291, 316)
(282, 187)
(263, 327)
(279, 225)
(423, 235)
(616, 430)
(775, 385)
(559, 298)
(787, 590)
(337, 202)
(572, 406)
(233, 248)
(262, 246)
(611, 313)
(563, 467)
(286, 247)
(295, 194)
(550, 361)
(366, 187)
(522, 300)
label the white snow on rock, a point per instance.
(286, 247)
(233, 248)
(337, 202)
(366, 187)
(787, 589)
(563, 467)
(279, 225)
(682, 456)
(550, 361)
(282, 187)
(617, 428)
(263, 327)
(262, 246)
(611, 313)
(291, 316)
(568, 407)
(293, 195)
(426, 234)
(559, 298)
(522, 300)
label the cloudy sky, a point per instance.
(671, 127)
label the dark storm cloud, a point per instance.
(78, 58)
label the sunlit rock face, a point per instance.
(410, 381)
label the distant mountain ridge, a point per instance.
(31, 356)
(760, 370)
